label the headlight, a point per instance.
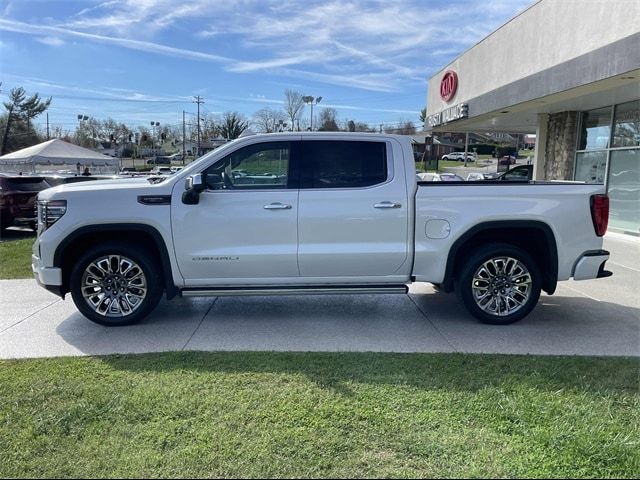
(49, 212)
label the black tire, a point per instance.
(152, 278)
(465, 285)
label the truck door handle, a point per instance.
(387, 205)
(277, 206)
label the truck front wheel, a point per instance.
(499, 284)
(115, 284)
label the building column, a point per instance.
(560, 151)
(541, 147)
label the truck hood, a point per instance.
(118, 187)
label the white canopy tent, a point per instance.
(57, 156)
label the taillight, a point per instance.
(600, 213)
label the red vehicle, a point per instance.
(17, 200)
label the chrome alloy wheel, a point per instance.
(114, 286)
(501, 286)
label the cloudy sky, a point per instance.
(143, 60)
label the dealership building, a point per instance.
(568, 71)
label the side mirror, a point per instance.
(193, 186)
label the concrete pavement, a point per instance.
(595, 317)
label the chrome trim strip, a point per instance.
(402, 289)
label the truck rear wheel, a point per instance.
(499, 284)
(115, 284)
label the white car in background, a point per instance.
(459, 156)
(439, 177)
(161, 171)
(475, 176)
(428, 177)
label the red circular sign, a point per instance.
(448, 85)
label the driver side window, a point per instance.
(255, 167)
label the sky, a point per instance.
(139, 61)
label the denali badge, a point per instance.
(215, 259)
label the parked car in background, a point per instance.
(507, 160)
(428, 177)
(55, 180)
(459, 156)
(492, 176)
(176, 157)
(476, 176)
(159, 160)
(161, 171)
(439, 177)
(176, 169)
(450, 177)
(521, 173)
(17, 199)
(517, 174)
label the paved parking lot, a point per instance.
(584, 318)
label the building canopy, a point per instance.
(57, 155)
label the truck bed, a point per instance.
(445, 211)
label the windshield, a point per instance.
(194, 166)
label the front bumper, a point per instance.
(47, 277)
(591, 265)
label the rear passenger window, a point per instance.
(343, 164)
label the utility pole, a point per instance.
(380, 128)
(184, 135)
(48, 137)
(466, 147)
(198, 100)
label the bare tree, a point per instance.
(404, 127)
(353, 126)
(293, 106)
(209, 127)
(57, 131)
(88, 133)
(328, 120)
(145, 138)
(267, 120)
(114, 131)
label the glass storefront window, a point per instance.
(626, 125)
(596, 129)
(591, 167)
(624, 190)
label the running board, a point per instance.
(295, 290)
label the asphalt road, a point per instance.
(594, 317)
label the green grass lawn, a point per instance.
(15, 258)
(320, 415)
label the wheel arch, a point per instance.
(78, 241)
(536, 237)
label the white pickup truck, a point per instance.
(314, 213)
